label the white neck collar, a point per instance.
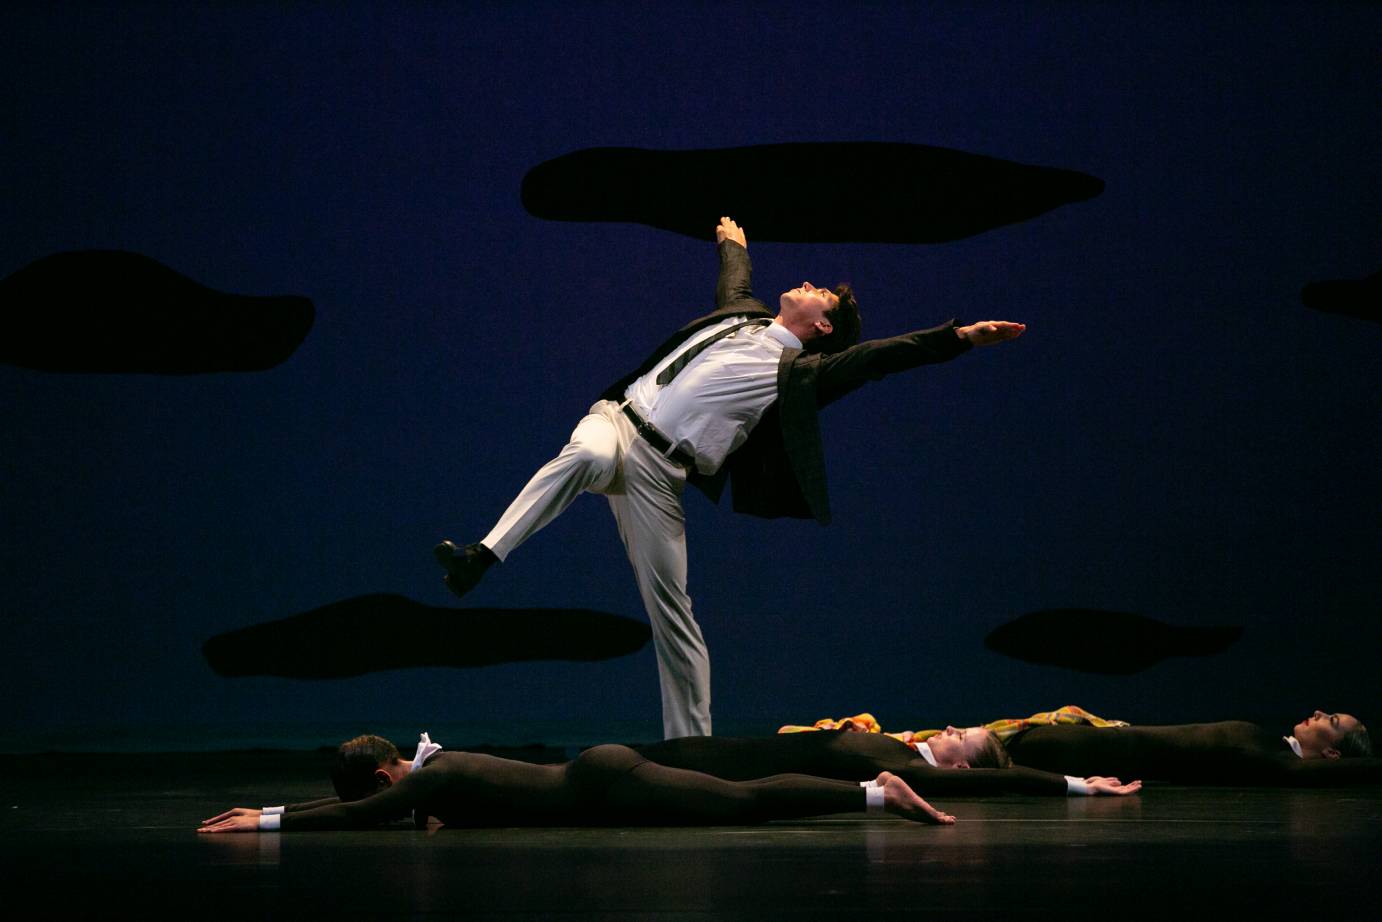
(425, 749)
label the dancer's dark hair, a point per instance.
(844, 322)
(356, 762)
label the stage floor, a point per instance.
(114, 834)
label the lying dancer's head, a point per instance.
(824, 321)
(970, 747)
(364, 766)
(1332, 736)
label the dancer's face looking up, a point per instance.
(803, 310)
(1320, 733)
(957, 748)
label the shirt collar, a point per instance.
(425, 749)
(1294, 744)
(783, 335)
(926, 753)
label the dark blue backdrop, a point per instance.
(1175, 435)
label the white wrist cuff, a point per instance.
(1075, 785)
(270, 821)
(873, 799)
(272, 810)
(869, 784)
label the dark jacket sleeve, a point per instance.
(842, 372)
(734, 289)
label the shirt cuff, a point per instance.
(269, 811)
(1075, 785)
(269, 821)
(964, 344)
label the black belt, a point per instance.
(658, 440)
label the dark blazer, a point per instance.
(780, 469)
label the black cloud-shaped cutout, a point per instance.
(1351, 297)
(116, 311)
(1108, 642)
(372, 633)
(868, 192)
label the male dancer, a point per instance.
(603, 786)
(734, 393)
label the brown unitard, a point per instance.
(845, 755)
(606, 785)
(1226, 752)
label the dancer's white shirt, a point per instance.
(709, 409)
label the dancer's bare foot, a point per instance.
(900, 800)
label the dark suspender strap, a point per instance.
(681, 361)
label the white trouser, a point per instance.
(605, 455)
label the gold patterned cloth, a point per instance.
(1006, 727)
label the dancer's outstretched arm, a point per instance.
(1015, 780)
(392, 803)
(259, 811)
(734, 288)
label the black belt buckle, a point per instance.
(660, 442)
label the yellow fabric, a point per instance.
(859, 723)
(1005, 727)
(1070, 714)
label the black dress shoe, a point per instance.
(464, 566)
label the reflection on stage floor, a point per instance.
(115, 833)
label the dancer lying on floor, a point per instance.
(1322, 750)
(859, 756)
(604, 786)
